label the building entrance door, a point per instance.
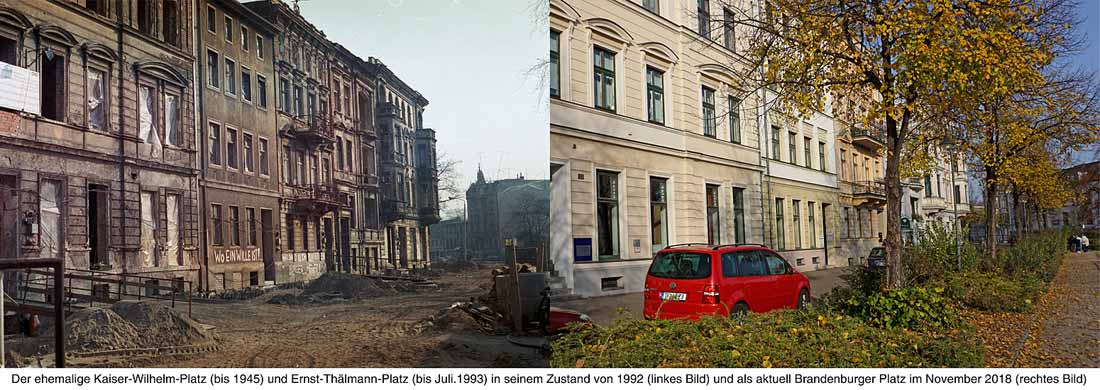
(345, 245)
(330, 262)
(825, 231)
(267, 245)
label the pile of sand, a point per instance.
(336, 287)
(132, 324)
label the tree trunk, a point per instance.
(990, 213)
(1017, 215)
(895, 273)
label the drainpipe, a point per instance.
(204, 273)
(765, 175)
(120, 135)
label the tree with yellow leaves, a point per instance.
(1019, 135)
(889, 64)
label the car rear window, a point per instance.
(878, 252)
(743, 263)
(680, 265)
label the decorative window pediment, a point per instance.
(162, 71)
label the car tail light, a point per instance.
(710, 294)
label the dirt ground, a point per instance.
(386, 331)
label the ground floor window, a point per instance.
(780, 239)
(658, 212)
(813, 228)
(796, 213)
(739, 215)
(607, 214)
(713, 230)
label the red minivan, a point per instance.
(691, 280)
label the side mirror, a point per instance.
(790, 269)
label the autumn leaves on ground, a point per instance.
(1062, 331)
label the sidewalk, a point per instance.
(1066, 327)
(605, 309)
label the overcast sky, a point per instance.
(470, 59)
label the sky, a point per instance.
(471, 60)
(1089, 10)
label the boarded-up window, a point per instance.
(172, 246)
(148, 229)
(97, 99)
(50, 196)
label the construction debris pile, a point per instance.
(124, 327)
(132, 324)
(466, 316)
(336, 287)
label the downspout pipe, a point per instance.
(120, 135)
(204, 273)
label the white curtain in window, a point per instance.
(50, 214)
(172, 120)
(171, 247)
(148, 229)
(96, 109)
(148, 125)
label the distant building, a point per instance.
(448, 240)
(1083, 208)
(506, 209)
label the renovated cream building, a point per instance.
(940, 197)
(862, 191)
(801, 188)
(652, 139)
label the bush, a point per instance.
(805, 338)
(907, 308)
(992, 292)
(934, 254)
(1037, 255)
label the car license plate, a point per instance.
(673, 296)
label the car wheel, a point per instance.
(803, 298)
(739, 310)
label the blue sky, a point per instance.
(469, 58)
(1089, 10)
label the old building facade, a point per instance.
(97, 136)
(240, 176)
(653, 141)
(226, 144)
(406, 169)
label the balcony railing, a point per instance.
(868, 138)
(869, 188)
(394, 210)
(318, 198)
(429, 215)
(316, 130)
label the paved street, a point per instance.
(603, 310)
